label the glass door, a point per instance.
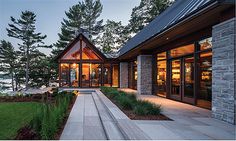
(188, 80)
(182, 79)
(176, 79)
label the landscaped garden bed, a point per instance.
(44, 119)
(135, 109)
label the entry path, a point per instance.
(84, 122)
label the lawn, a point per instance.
(13, 116)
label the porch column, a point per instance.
(144, 83)
(124, 75)
(223, 71)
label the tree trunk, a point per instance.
(27, 69)
(12, 81)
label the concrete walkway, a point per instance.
(95, 117)
(189, 122)
(83, 122)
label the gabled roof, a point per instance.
(77, 39)
(178, 11)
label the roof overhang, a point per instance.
(206, 17)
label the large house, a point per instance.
(187, 53)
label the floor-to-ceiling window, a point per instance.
(65, 82)
(115, 75)
(205, 73)
(74, 75)
(107, 75)
(161, 74)
(185, 73)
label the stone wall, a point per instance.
(124, 75)
(223, 71)
(144, 68)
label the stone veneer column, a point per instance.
(144, 68)
(223, 71)
(124, 75)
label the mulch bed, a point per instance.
(133, 116)
(27, 133)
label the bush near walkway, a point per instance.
(130, 102)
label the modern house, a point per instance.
(187, 53)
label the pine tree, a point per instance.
(144, 13)
(112, 37)
(82, 15)
(24, 30)
(8, 60)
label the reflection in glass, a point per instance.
(115, 71)
(161, 77)
(74, 75)
(205, 44)
(182, 50)
(205, 93)
(189, 77)
(73, 53)
(65, 75)
(107, 75)
(175, 77)
(95, 75)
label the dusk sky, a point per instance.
(51, 12)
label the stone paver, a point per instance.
(189, 122)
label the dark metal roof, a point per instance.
(179, 10)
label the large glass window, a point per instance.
(161, 78)
(73, 53)
(115, 74)
(107, 75)
(95, 75)
(176, 77)
(74, 75)
(85, 75)
(65, 75)
(87, 53)
(182, 50)
(205, 93)
(189, 77)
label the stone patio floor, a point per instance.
(189, 122)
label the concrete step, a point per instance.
(110, 127)
(127, 127)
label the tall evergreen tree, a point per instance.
(24, 30)
(82, 15)
(113, 36)
(8, 60)
(144, 13)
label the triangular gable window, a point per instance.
(74, 53)
(88, 53)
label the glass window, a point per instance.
(107, 75)
(74, 75)
(205, 44)
(73, 53)
(85, 75)
(115, 75)
(161, 78)
(205, 94)
(65, 75)
(95, 75)
(175, 77)
(161, 56)
(189, 77)
(182, 50)
(87, 53)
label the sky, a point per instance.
(49, 15)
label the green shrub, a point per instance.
(125, 102)
(50, 116)
(146, 108)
